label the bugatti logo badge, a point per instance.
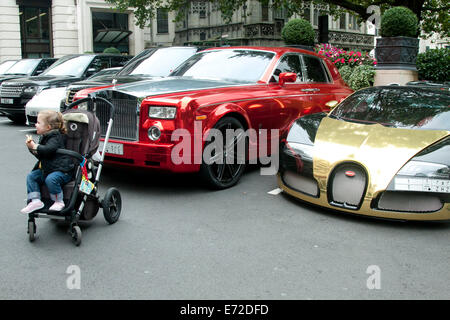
(350, 173)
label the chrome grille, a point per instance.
(125, 125)
(70, 95)
(11, 91)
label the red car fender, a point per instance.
(224, 110)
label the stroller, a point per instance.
(81, 194)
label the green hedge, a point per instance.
(358, 77)
(298, 31)
(434, 65)
(399, 22)
(111, 50)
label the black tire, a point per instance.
(31, 230)
(76, 235)
(225, 175)
(112, 205)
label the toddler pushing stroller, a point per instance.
(81, 197)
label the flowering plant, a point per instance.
(341, 57)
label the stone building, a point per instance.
(42, 28)
(258, 24)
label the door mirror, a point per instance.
(287, 77)
(331, 104)
(91, 71)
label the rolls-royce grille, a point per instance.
(125, 124)
(11, 91)
(347, 186)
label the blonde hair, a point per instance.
(54, 119)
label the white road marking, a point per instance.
(4, 121)
(275, 191)
(27, 130)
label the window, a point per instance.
(353, 23)
(288, 63)
(307, 14)
(342, 21)
(35, 31)
(162, 20)
(109, 21)
(314, 69)
(316, 17)
(265, 11)
(119, 61)
(44, 64)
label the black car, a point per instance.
(26, 68)
(149, 64)
(14, 94)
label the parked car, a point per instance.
(247, 88)
(382, 152)
(27, 67)
(5, 65)
(151, 63)
(14, 94)
(434, 84)
(49, 99)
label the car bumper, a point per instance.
(146, 155)
(368, 206)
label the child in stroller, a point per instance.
(80, 195)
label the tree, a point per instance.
(433, 15)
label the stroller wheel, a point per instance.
(76, 235)
(112, 205)
(31, 230)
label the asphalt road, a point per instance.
(177, 240)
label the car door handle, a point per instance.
(311, 90)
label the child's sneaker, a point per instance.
(57, 206)
(34, 205)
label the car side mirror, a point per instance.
(287, 77)
(331, 104)
(91, 71)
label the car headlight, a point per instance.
(162, 112)
(423, 176)
(30, 90)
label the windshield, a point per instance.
(6, 65)
(158, 63)
(25, 66)
(238, 65)
(71, 66)
(399, 108)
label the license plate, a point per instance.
(111, 147)
(422, 184)
(7, 101)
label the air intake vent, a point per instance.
(301, 183)
(409, 202)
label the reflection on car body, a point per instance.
(383, 152)
(238, 88)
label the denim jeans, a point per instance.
(54, 182)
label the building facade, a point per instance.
(54, 28)
(258, 24)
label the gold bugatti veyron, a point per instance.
(382, 152)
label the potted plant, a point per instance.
(398, 46)
(298, 33)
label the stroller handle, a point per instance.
(92, 98)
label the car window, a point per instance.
(398, 108)
(119, 61)
(99, 63)
(4, 66)
(237, 65)
(44, 64)
(314, 69)
(158, 63)
(25, 67)
(288, 63)
(69, 66)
